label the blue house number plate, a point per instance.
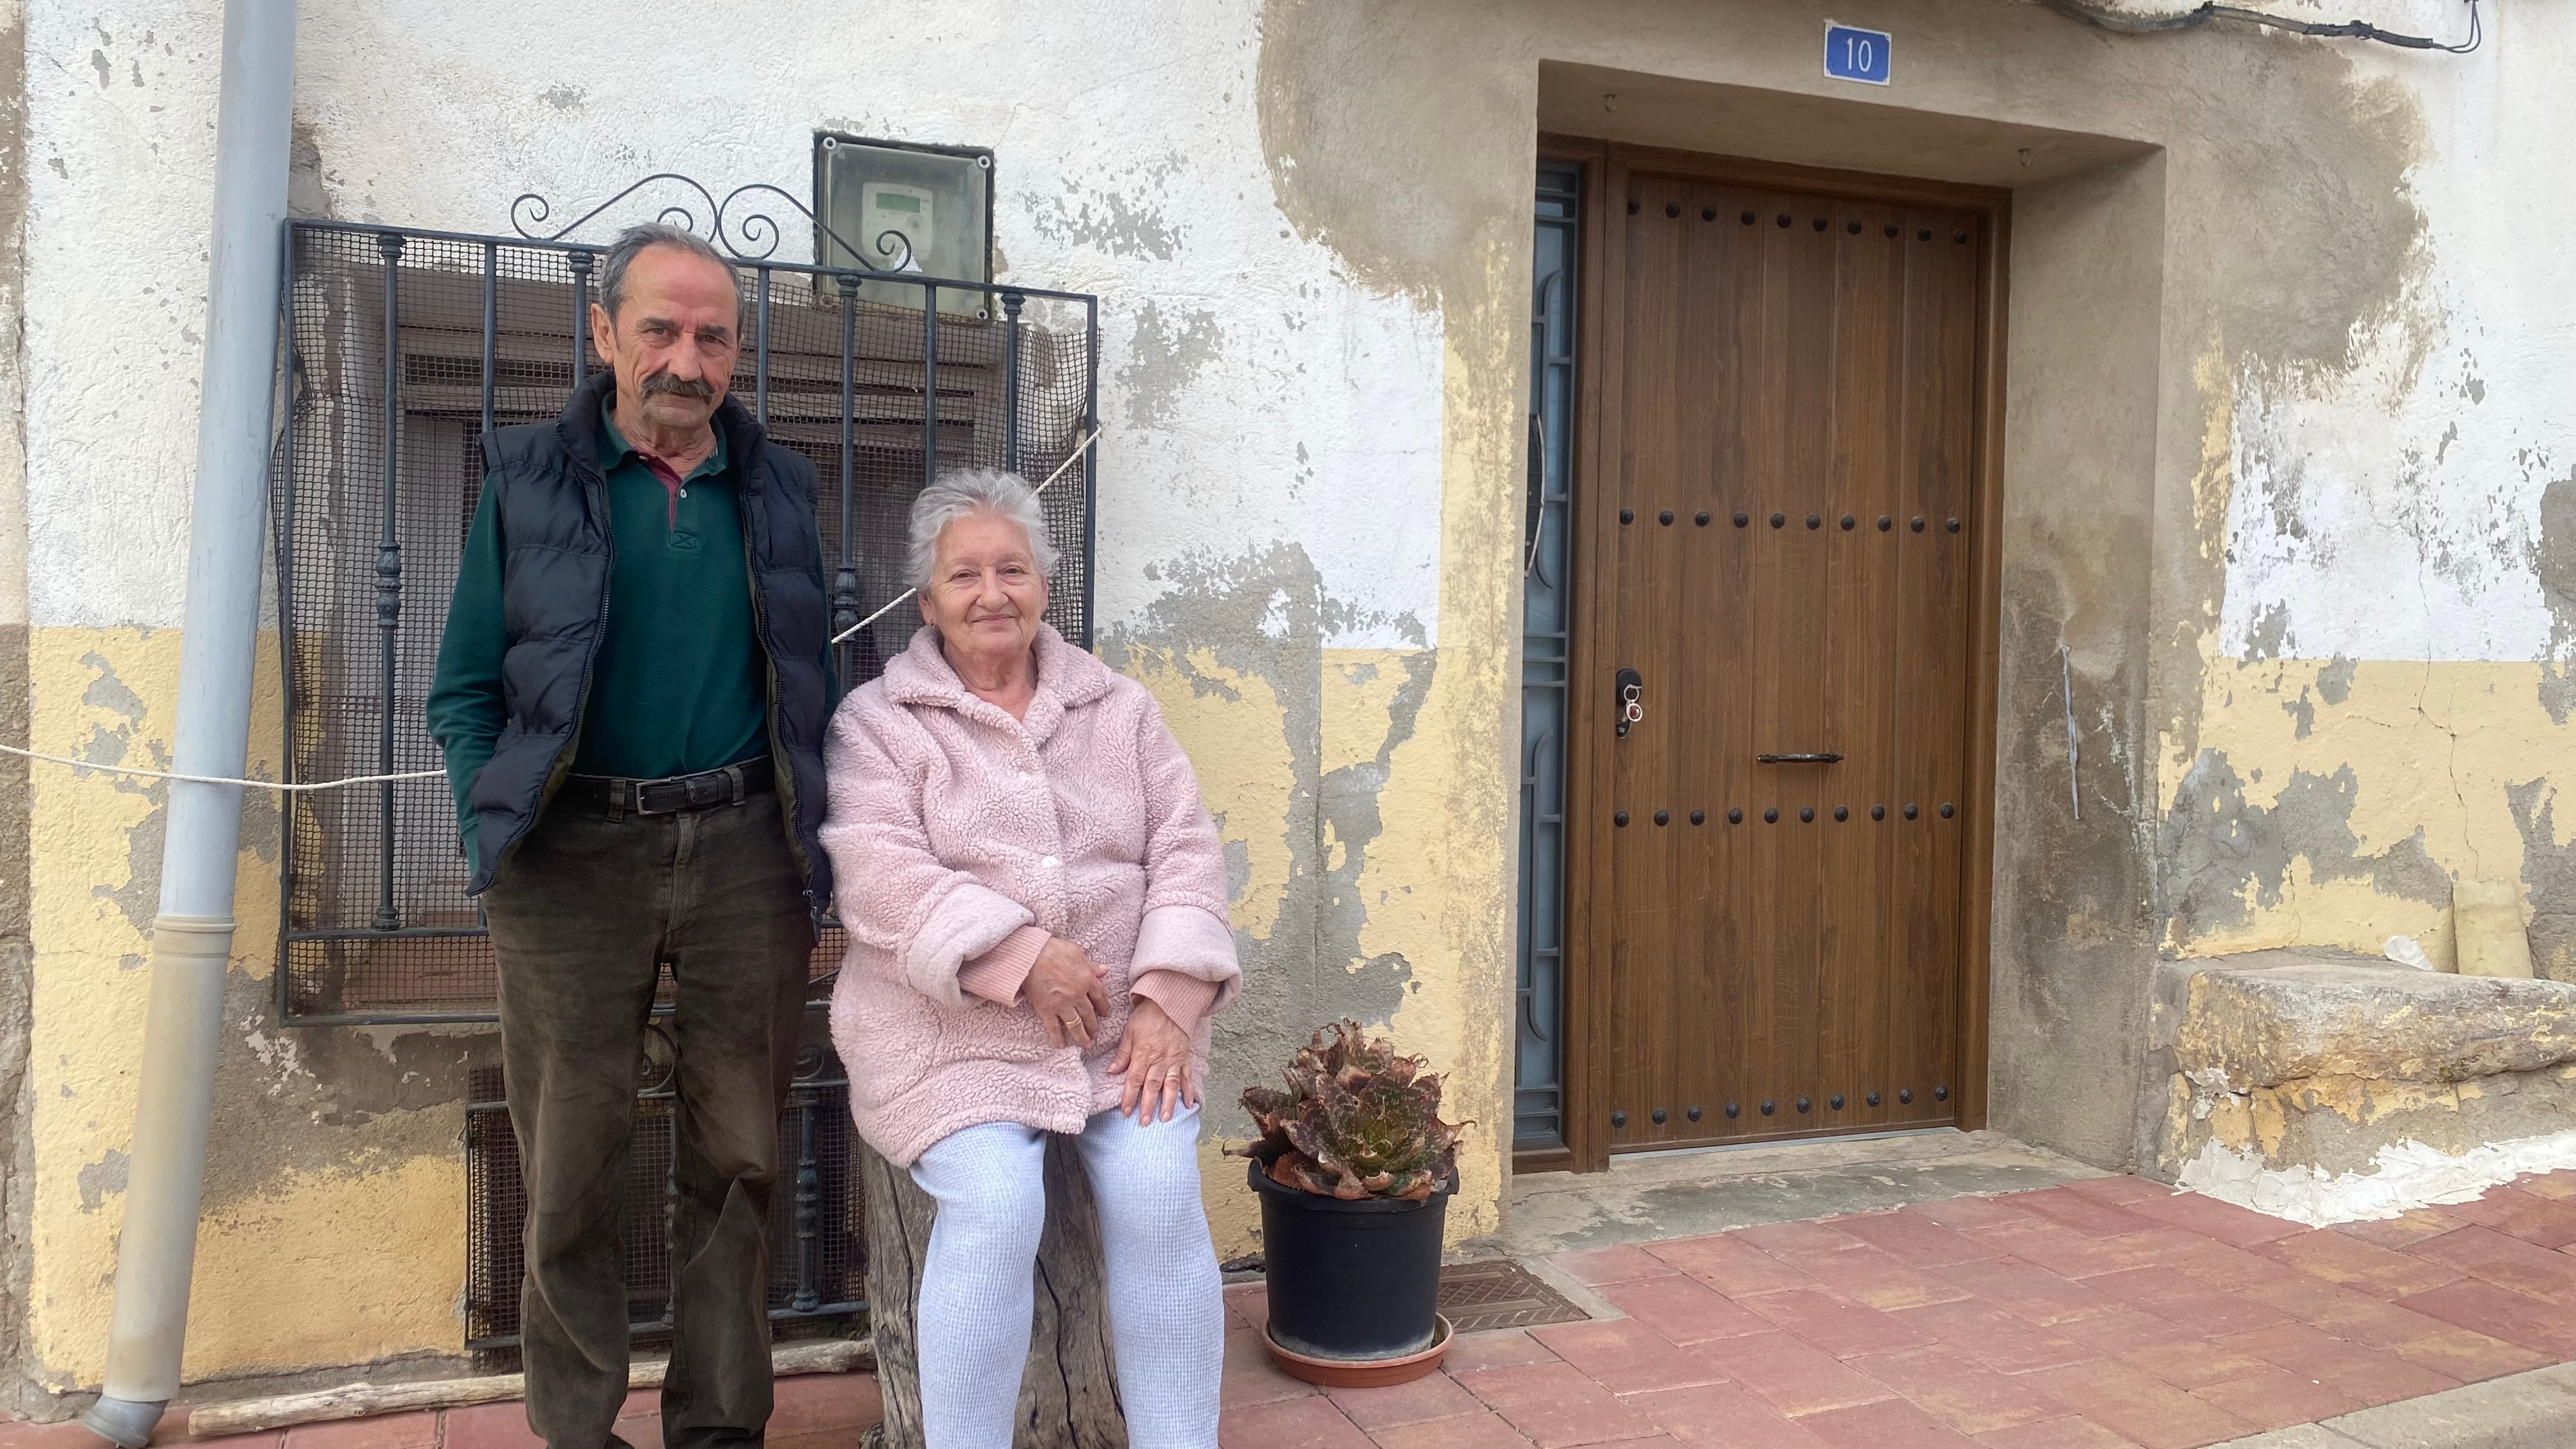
(1854, 54)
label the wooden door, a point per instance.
(1785, 554)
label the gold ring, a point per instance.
(1173, 1075)
(1073, 1022)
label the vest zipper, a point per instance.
(782, 767)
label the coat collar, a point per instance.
(1068, 678)
(581, 429)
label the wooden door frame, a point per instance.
(1586, 992)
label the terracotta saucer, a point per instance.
(1362, 1373)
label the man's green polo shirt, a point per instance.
(679, 683)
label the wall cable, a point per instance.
(284, 787)
(2194, 18)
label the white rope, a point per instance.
(297, 788)
(1079, 449)
(280, 786)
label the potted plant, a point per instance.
(1354, 1169)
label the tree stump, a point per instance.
(1068, 1393)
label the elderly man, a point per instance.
(632, 695)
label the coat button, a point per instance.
(1050, 862)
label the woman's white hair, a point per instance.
(962, 492)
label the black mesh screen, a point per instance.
(376, 478)
(817, 1227)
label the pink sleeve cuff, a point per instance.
(998, 974)
(1184, 998)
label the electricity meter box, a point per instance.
(925, 210)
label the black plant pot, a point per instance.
(1351, 1280)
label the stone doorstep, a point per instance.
(2266, 1018)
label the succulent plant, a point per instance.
(1357, 1120)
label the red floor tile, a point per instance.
(2071, 1254)
(1596, 1266)
(1959, 1391)
(1787, 1239)
(1722, 1416)
(1960, 1213)
(1251, 1377)
(68, 1434)
(1482, 1429)
(1731, 1266)
(2467, 1355)
(2277, 1399)
(2356, 1264)
(389, 1431)
(1837, 1325)
(2225, 1221)
(2551, 1223)
(1683, 1309)
(2556, 1186)
(2026, 1290)
(2074, 1210)
(2233, 1270)
(1877, 1278)
(1914, 1239)
(817, 1403)
(1311, 1423)
(1795, 1377)
(2368, 1375)
(1626, 1357)
(2137, 1404)
(2001, 1341)
(1501, 1348)
(2194, 1305)
(1555, 1405)
(2403, 1231)
(2482, 1307)
(2167, 1350)
(488, 1426)
(2482, 1252)
(1433, 1396)
(1892, 1424)
(2073, 1432)
(265, 1439)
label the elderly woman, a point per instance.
(1036, 903)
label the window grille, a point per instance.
(817, 1215)
(403, 348)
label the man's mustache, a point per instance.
(689, 387)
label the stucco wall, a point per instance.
(2288, 472)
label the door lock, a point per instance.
(1632, 707)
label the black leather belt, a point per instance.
(729, 786)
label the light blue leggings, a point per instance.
(1166, 1318)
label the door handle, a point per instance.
(1631, 704)
(1805, 759)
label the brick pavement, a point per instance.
(2105, 1314)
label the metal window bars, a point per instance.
(817, 1210)
(404, 346)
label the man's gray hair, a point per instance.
(631, 243)
(963, 492)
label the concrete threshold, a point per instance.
(1685, 1194)
(2535, 1410)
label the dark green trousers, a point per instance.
(583, 917)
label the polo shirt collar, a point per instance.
(614, 450)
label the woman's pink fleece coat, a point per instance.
(962, 839)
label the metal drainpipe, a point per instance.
(192, 936)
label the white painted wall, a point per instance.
(2395, 513)
(1251, 393)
